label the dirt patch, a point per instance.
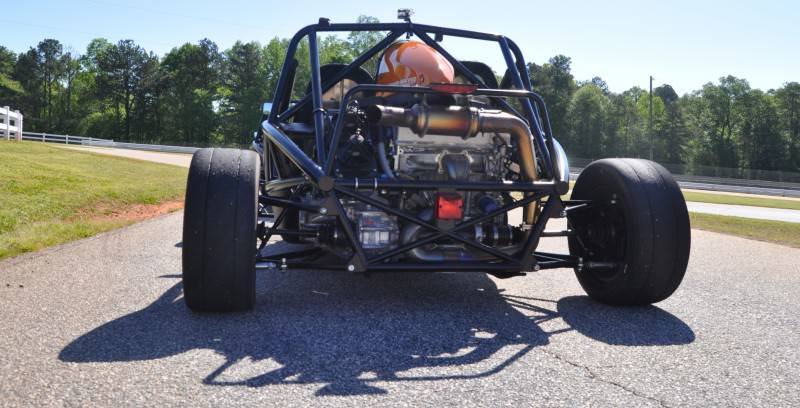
(105, 212)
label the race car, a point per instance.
(428, 164)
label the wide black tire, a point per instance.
(637, 219)
(219, 230)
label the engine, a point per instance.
(438, 157)
(432, 143)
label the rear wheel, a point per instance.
(634, 237)
(219, 230)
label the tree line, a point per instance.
(197, 94)
(724, 124)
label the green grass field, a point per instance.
(741, 200)
(785, 233)
(789, 204)
(50, 195)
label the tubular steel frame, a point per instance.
(320, 172)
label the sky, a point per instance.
(682, 43)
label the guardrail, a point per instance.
(139, 146)
(728, 185)
(710, 173)
(10, 123)
(783, 192)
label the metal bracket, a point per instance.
(330, 205)
(356, 264)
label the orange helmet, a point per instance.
(413, 63)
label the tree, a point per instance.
(361, 41)
(788, 103)
(624, 125)
(120, 77)
(96, 47)
(335, 50)
(97, 116)
(761, 143)
(38, 71)
(71, 68)
(302, 76)
(193, 76)
(671, 134)
(600, 83)
(666, 93)
(7, 61)
(148, 96)
(713, 116)
(587, 111)
(10, 89)
(556, 84)
(273, 55)
(49, 53)
(245, 85)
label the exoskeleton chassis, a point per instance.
(464, 176)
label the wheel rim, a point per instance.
(601, 236)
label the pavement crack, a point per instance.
(593, 375)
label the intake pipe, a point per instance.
(465, 122)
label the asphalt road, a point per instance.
(770, 192)
(175, 159)
(101, 322)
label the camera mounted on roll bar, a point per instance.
(405, 14)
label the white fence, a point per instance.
(10, 123)
(97, 142)
(66, 139)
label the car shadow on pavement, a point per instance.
(348, 333)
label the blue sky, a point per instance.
(683, 43)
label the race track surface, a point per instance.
(101, 322)
(175, 159)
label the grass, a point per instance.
(50, 196)
(741, 200)
(779, 232)
(744, 199)
(785, 233)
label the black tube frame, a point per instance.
(319, 172)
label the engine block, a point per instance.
(439, 157)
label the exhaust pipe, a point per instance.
(465, 122)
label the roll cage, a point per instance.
(553, 163)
